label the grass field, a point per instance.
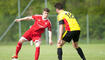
(92, 52)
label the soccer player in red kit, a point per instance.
(34, 33)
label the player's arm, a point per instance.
(50, 37)
(50, 34)
(61, 22)
(60, 19)
(23, 19)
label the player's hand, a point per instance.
(59, 41)
(17, 20)
(50, 42)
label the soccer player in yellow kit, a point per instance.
(72, 31)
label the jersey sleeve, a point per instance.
(60, 18)
(34, 17)
(49, 26)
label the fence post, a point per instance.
(19, 17)
(46, 30)
(88, 41)
(57, 30)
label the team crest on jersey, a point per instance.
(45, 23)
(41, 23)
(39, 20)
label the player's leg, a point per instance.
(75, 45)
(18, 47)
(79, 50)
(59, 50)
(59, 46)
(37, 52)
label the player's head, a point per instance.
(45, 12)
(58, 6)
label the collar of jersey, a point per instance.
(61, 11)
(44, 18)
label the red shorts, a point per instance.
(32, 35)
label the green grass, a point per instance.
(92, 52)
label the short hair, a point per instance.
(59, 6)
(46, 9)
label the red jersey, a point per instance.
(40, 24)
(34, 33)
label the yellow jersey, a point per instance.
(68, 20)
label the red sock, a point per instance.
(18, 47)
(37, 53)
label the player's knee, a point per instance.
(59, 46)
(37, 43)
(75, 45)
(22, 40)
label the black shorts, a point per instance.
(68, 35)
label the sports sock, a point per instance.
(37, 52)
(80, 52)
(59, 52)
(18, 47)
